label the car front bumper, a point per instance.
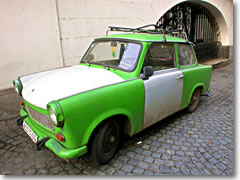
(54, 145)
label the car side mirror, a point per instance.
(147, 72)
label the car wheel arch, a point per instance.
(199, 85)
(122, 118)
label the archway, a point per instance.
(200, 21)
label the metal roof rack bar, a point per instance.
(135, 30)
(157, 30)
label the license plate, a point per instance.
(30, 132)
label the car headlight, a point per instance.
(53, 117)
(55, 113)
(18, 86)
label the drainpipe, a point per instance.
(60, 35)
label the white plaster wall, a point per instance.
(83, 20)
(29, 38)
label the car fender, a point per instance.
(103, 117)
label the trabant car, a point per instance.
(123, 84)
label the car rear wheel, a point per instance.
(105, 142)
(194, 100)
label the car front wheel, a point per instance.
(105, 142)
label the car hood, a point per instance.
(41, 88)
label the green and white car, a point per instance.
(123, 84)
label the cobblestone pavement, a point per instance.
(200, 143)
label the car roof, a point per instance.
(144, 37)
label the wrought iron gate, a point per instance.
(198, 23)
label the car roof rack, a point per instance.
(157, 30)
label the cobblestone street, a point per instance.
(199, 143)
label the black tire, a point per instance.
(105, 143)
(194, 100)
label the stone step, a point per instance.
(217, 63)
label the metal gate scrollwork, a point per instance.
(198, 23)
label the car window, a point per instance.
(116, 54)
(129, 56)
(160, 56)
(185, 55)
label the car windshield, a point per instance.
(114, 54)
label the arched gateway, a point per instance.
(199, 24)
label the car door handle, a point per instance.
(180, 77)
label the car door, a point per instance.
(193, 74)
(163, 90)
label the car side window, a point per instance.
(185, 55)
(160, 56)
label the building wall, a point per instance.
(43, 34)
(29, 38)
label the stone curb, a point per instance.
(218, 63)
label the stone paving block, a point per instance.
(138, 171)
(156, 155)
(133, 162)
(164, 169)
(120, 173)
(179, 164)
(154, 168)
(148, 173)
(143, 165)
(147, 153)
(148, 160)
(185, 171)
(127, 168)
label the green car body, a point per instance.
(79, 115)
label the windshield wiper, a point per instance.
(97, 63)
(86, 62)
(104, 65)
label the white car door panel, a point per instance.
(163, 95)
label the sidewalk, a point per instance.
(9, 101)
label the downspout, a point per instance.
(60, 35)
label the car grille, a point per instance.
(41, 118)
